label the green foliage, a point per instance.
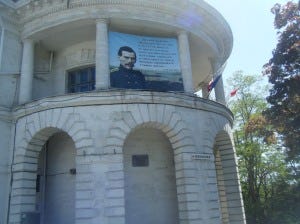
(260, 168)
(284, 206)
(270, 181)
(283, 71)
(248, 103)
(264, 172)
(258, 125)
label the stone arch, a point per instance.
(218, 140)
(170, 122)
(214, 125)
(33, 132)
(162, 117)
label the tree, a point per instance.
(262, 165)
(283, 71)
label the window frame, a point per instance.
(79, 85)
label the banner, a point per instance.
(142, 62)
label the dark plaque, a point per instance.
(140, 160)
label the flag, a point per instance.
(233, 92)
(213, 83)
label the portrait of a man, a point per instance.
(125, 76)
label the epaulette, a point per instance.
(114, 70)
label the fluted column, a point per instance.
(219, 88)
(185, 61)
(26, 78)
(102, 60)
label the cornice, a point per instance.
(35, 9)
(198, 18)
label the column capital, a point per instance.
(182, 32)
(28, 40)
(102, 20)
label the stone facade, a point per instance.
(66, 158)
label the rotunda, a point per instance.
(99, 117)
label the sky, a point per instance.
(254, 35)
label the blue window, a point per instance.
(81, 80)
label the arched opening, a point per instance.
(55, 188)
(228, 180)
(150, 184)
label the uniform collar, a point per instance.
(121, 68)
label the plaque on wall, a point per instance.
(201, 156)
(140, 160)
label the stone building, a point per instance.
(74, 149)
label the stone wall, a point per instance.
(99, 130)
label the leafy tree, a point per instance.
(262, 165)
(283, 71)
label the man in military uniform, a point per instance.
(124, 76)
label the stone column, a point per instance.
(219, 88)
(205, 92)
(102, 61)
(219, 92)
(26, 78)
(185, 61)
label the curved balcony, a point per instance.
(59, 36)
(123, 97)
